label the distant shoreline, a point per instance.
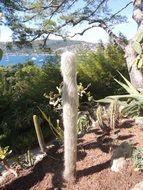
(28, 54)
(36, 58)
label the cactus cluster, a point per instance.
(108, 119)
(102, 119)
(113, 113)
(138, 47)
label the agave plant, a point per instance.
(135, 98)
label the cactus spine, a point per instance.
(70, 113)
(39, 134)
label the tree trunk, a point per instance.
(70, 114)
(136, 75)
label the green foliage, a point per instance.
(137, 157)
(99, 68)
(22, 88)
(128, 86)
(55, 100)
(4, 152)
(51, 17)
(137, 46)
(134, 99)
(139, 37)
(132, 109)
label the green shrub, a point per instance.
(137, 157)
(99, 68)
(22, 89)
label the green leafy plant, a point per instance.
(99, 68)
(137, 45)
(134, 98)
(21, 90)
(137, 157)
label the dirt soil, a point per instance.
(93, 166)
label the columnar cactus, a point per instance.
(39, 134)
(70, 113)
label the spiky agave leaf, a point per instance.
(129, 87)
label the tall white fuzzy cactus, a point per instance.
(70, 113)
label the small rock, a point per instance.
(123, 151)
(139, 120)
(39, 157)
(138, 186)
(137, 169)
(118, 164)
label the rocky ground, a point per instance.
(93, 166)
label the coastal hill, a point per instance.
(52, 46)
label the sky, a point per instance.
(95, 34)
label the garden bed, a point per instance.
(93, 166)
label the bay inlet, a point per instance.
(38, 59)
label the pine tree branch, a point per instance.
(116, 39)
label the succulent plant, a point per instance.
(39, 133)
(138, 47)
(113, 113)
(4, 152)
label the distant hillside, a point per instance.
(51, 46)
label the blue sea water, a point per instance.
(16, 59)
